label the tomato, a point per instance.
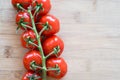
(31, 56)
(52, 42)
(24, 18)
(28, 35)
(53, 25)
(46, 6)
(25, 3)
(29, 74)
(62, 65)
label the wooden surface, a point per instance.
(90, 30)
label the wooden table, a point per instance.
(90, 30)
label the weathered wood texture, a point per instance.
(90, 30)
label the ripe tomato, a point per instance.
(29, 74)
(62, 65)
(25, 3)
(23, 17)
(28, 35)
(31, 56)
(50, 43)
(53, 25)
(46, 6)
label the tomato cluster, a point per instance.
(39, 37)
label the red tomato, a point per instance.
(53, 23)
(28, 34)
(31, 56)
(46, 6)
(50, 43)
(25, 3)
(24, 16)
(62, 65)
(30, 74)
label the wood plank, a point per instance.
(91, 33)
(10, 40)
(12, 52)
(11, 64)
(16, 75)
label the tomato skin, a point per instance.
(27, 74)
(25, 3)
(30, 56)
(53, 22)
(46, 5)
(51, 62)
(32, 36)
(50, 43)
(25, 16)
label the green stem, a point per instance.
(43, 29)
(50, 54)
(30, 42)
(34, 66)
(37, 9)
(55, 51)
(33, 77)
(44, 74)
(27, 26)
(53, 69)
(20, 7)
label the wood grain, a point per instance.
(91, 33)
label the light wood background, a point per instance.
(90, 30)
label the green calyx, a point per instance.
(55, 51)
(33, 65)
(56, 69)
(28, 40)
(38, 8)
(21, 23)
(33, 77)
(47, 26)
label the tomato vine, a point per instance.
(46, 53)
